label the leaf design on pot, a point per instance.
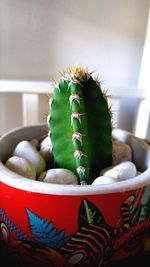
(45, 232)
(89, 213)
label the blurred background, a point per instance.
(39, 38)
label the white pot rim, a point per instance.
(14, 180)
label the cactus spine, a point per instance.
(80, 125)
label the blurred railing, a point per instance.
(26, 102)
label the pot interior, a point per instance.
(140, 151)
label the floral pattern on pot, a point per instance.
(94, 242)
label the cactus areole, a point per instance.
(80, 125)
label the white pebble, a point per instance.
(58, 176)
(21, 166)
(121, 152)
(104, 180)
(122, 171)
(35, 142)
(26, 150)
(46, 149)
(103, 171)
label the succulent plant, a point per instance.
(80, 124)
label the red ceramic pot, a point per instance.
(71, 225)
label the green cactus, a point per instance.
(80, 125)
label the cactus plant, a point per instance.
(80, 124)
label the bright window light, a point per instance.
(143, 115)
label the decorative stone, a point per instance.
(58, 176)
(26, 150)
(35, 142)
(21, 166)
(122, 171)
(103, 171)
(104, 180)
(46, 149)
(121, 152)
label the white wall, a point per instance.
(40, 37)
